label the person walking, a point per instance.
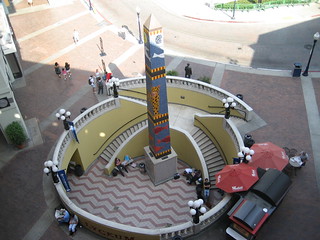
(75, 36)
(188, 71)
(92, 83)
(57, 69)
(68, 69)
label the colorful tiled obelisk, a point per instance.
(162, 159)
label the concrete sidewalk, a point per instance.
(288, 106)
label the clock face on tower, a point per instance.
(158, 39)
(4, 102)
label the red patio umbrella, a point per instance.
(236, 178)
(268, 155)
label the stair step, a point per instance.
(215, 164)
(209, 150)
(216, 169)
(197, 134)
(122, 137)
(204, 143)
(112, 147)
(104, 157)
(118, 140)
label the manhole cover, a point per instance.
(308, 46)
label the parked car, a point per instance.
(256, 206)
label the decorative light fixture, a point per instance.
(245, 155)
(64, 115)
(138, 15)
(228, 103)
(196, 210)
(51, 167)
(316, 37)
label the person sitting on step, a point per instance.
(120, 166)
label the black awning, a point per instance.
(250, 214)
(272, 186)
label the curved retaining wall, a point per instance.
(112, 230)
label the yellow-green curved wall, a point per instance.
(187, 97)
(94, 136)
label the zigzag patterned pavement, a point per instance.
(132, 200)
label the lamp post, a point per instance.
(138, 15)
(196, 210)
(64, 115)
(90, 5)
(51, 167)
(228, 103)
(316, 37)
(234, 9)
(102, 52)
(245, 155)
(114, 84)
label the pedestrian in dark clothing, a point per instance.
(207, 186)
(188, 71)
(57, 69)
(199, 190)
(100, 85)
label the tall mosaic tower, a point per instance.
(161, 159)
(157, 103)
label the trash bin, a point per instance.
(114, 172)
(142, 167)
(240, 96)
(236, 160)
(248, 141)
(78, 171)
(297, 70)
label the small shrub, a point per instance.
(205, 79)
(172, 73)
(15, 133)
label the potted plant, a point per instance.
(16, 134)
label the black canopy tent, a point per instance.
(272, 186)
